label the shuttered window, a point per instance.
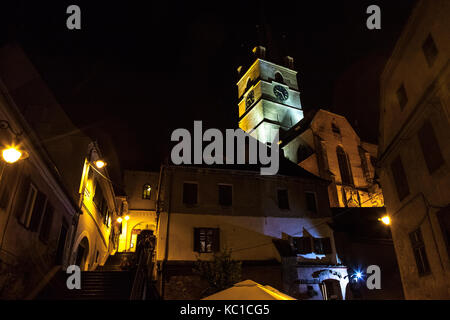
(400, 180)
(322, 245)
(206, 240)
(302, 245)
(420, 255)
(430, 147)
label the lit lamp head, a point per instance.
(385, 219)
(100, 164)
(127, 218)
(119, 219)
(12, 154)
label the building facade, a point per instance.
(276, 225)
(324, 143)
(414, 149)
(53, 212)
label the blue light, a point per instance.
(358, 275)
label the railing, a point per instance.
(142, 284)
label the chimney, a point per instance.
(260, 52)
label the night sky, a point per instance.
(136, 71)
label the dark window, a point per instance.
(400, 180)
(302, 153)
(344, 167)
(98, 197)
(283, 200)
(47, 220)
(146, 192)
(38, 210)
(302, 245)
(430, 50)
(420, 254)
(311, 201)
(402, 97)
(279, 77)
(206, 240)
(61, 245)
(322, 245)
(430, 147)
(444, 221)
(225, 195)
(190, 193)
(335, 128)
(25, 202)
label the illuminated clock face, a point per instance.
(280, 92)
(250, 99)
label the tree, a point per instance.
(221, 272)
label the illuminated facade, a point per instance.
(141, 188)
(268, 97)
(57, 209)
(414, 148)
(325, 144)
(276, 225)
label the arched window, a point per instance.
(146, 192)
(279, 77)
(302, 153)
(344, 166)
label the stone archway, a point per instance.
(82, 254)
(331, 289)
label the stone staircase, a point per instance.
(108, 282)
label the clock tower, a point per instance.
(268, 97)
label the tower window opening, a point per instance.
(146, 192)
(279, 77)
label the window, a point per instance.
(420, 254)
(444, 221)
(46, 227)
(190, 193)
(322, 245)
(344, 166)
(302, 245)
(98, 197)
(402, 97)
(146, 192)
(311, 204)
(400, 180)
(206, 240)
(225, 195)
(335, 128)
(26, 202)
(38, 210)
(279, 77)
(430, 50)
(283, 200)
(303, 153)
(430, 147)
(61, 244)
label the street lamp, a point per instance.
(100, 164)
(12, 153)
(385, 219)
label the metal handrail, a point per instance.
(143, 276)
